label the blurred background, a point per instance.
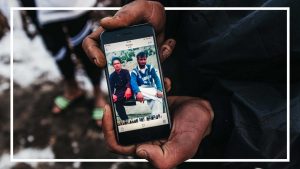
(38, 133)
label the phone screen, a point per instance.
(134, 64)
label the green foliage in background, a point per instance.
(127, 55)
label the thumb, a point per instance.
(109, 134)
(137, 12)
(168, 84)
(159, 157)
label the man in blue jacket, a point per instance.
(146, 84)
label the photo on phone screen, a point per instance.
(135, 84)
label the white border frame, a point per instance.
(12, 9)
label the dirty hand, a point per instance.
(133, 13)
(192, 118)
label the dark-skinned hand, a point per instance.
(191, 117)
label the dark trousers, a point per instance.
(55, 36)
(121, 109)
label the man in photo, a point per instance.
(120, 87)
(146, 84)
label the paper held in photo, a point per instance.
(150, 93)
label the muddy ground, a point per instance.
(71, 134)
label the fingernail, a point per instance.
(106, 18)
(95, 61)
(142, 154)
(171, 42)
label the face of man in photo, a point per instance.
(117, 65)
(142, 61)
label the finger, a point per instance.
(137, 12)
(168, 84)
(191, 120)
(109, 134)
(91, 47)
(166, 49)
(176, 101)
(161, 157)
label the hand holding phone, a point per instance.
(91, 47)
(192, 117)
(133, 63)
(183, 141)
(143, 11)
(177, 148)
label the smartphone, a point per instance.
(135, 84)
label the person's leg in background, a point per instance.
(56, 42)
(78, 29)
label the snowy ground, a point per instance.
(32, 62)
(29, 153)
(4, 63)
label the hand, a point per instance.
(192, 118)
(130, 14)
(115, 98)
(140, 97)
(159, 94)
(128, 93)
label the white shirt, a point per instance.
(143, 70)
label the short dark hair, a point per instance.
(114, 59)
(141, 54)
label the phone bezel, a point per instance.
(144, 134)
